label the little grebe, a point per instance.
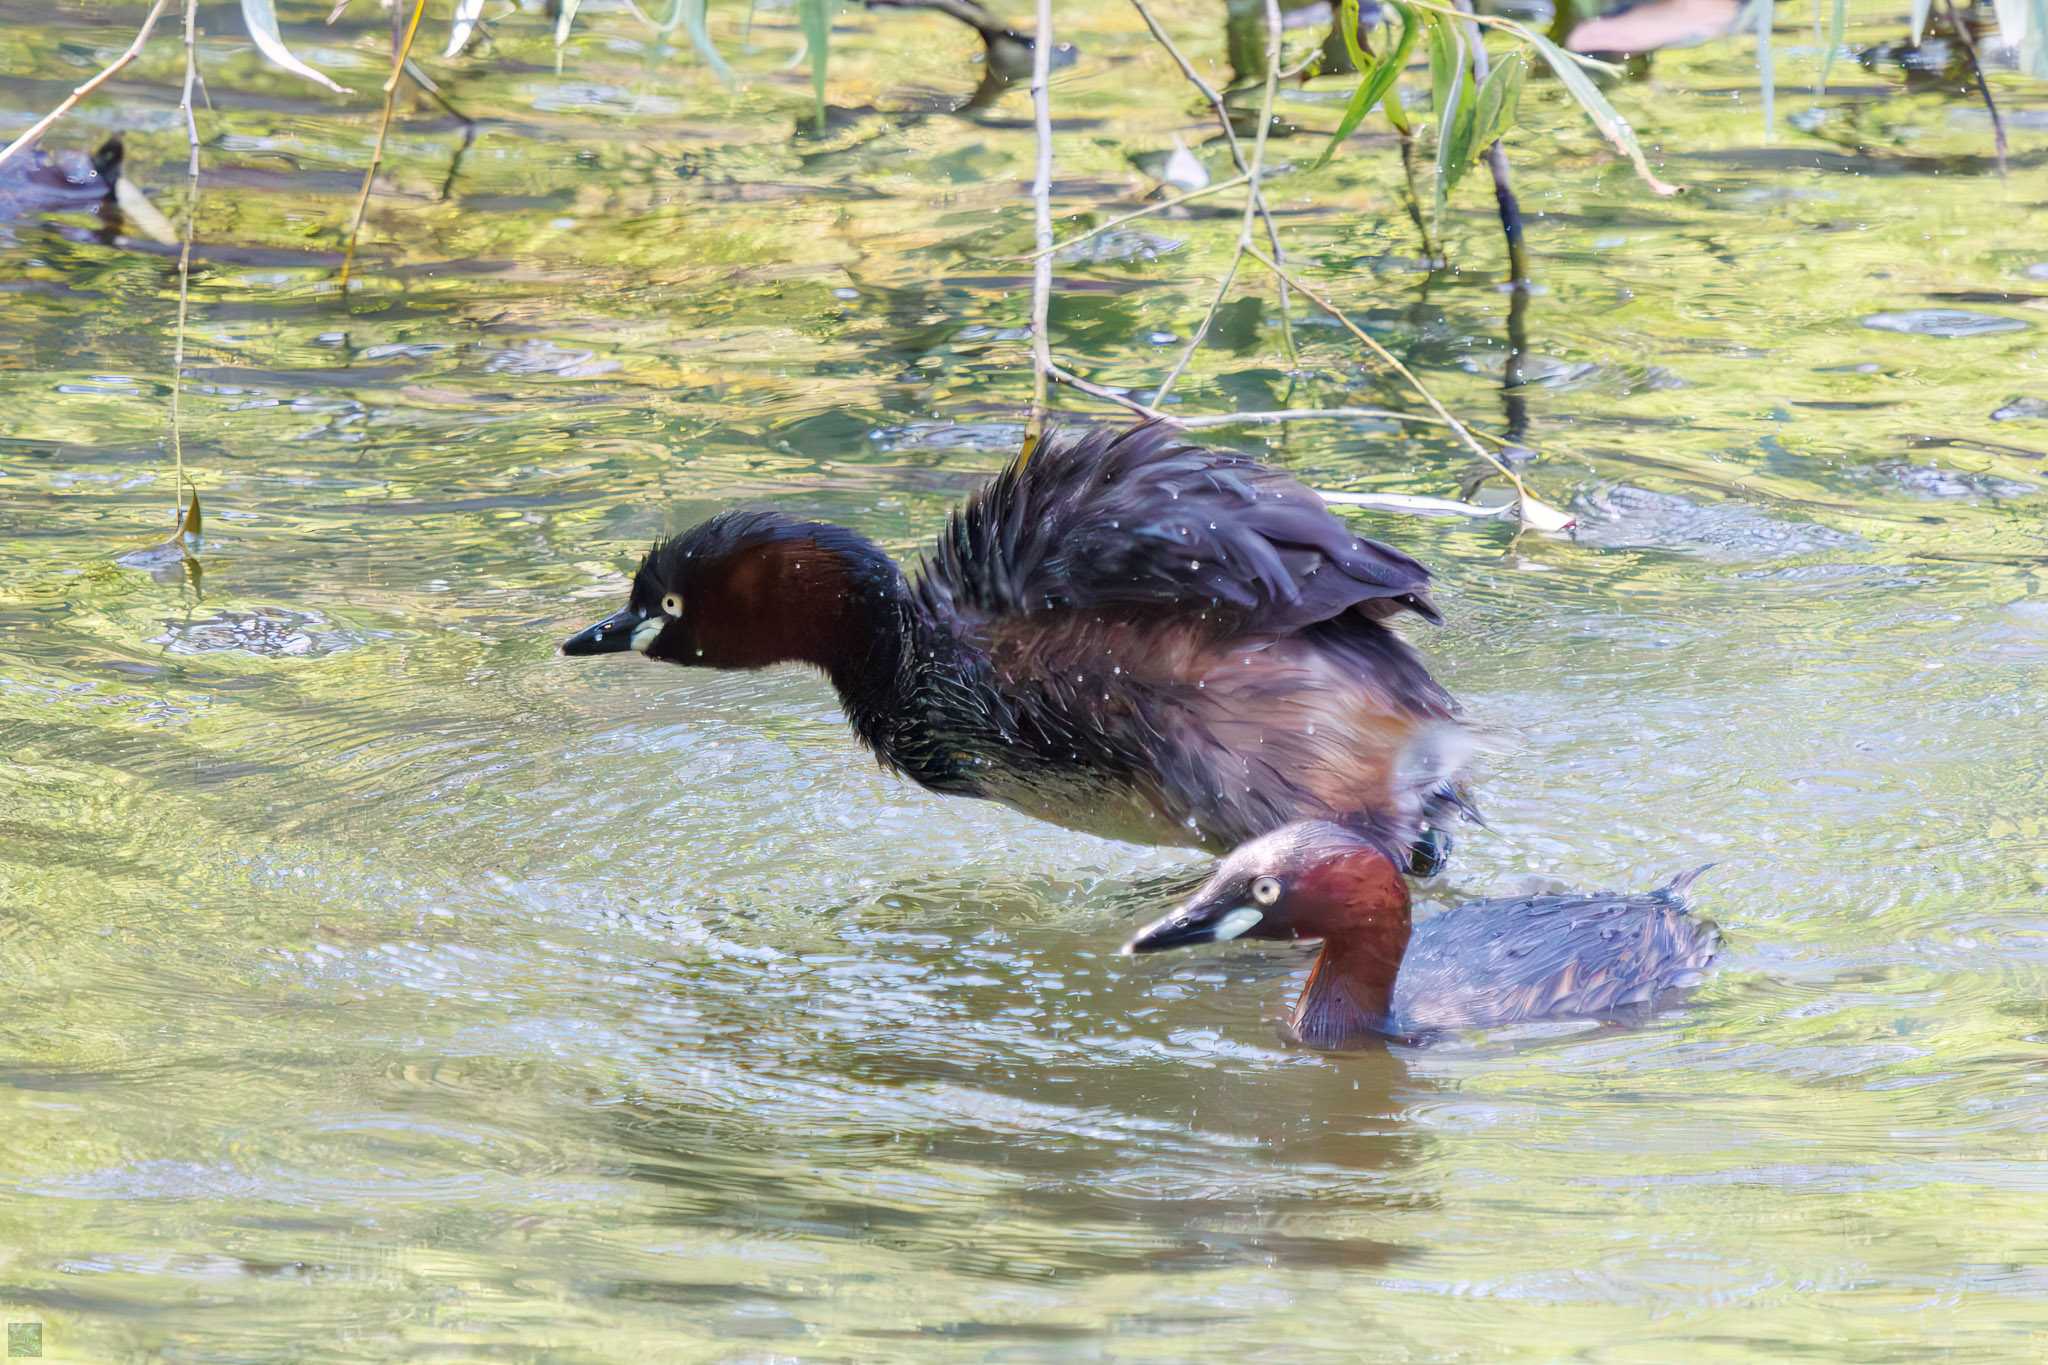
(49, 182)
(1481, 965)
(1124, 634)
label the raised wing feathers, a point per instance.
(1138, 520)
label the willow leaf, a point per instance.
(1377, 77)
(261, 18)
(463, 25)
(1451, 90)
(700, 38)
(1610, 123)
(1836, 26)
(1499, 99)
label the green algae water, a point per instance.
(382, 985)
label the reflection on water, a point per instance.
(384, 984)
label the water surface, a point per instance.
(385, 986)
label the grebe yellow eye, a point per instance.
(1266, 890)
(672, 605)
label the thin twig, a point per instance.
(1519, 30)
(70, 102)
(1041, 196)
(1969, 42)
(1215, 99)
(1252, 198)
(355, 230)
(1074, 381)
(185, 251)
(1202, 330)
(1146, 212)
(1273, 418)
(1388, 358)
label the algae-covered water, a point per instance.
(382, 985)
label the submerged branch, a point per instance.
(106, 73)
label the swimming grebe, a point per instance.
(1124, 634)
(47, 182)
(1481, 965)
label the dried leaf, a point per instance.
(1415, 504)
(261, 18)
(141, 214)
(1531, 512)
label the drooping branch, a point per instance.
(1253, 202)
(1215, 99)
(398, 61)
(1532, 510)
(106, 73)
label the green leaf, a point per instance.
(1611, 124)
(1498, 100)
(1347, 22)
(1376, 79)
(817, 23)
(1451, 91)
(693, 12)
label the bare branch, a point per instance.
(42, 125)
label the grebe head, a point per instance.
(744, 590)
(1312, 879)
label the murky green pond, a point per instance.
(382, 985)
